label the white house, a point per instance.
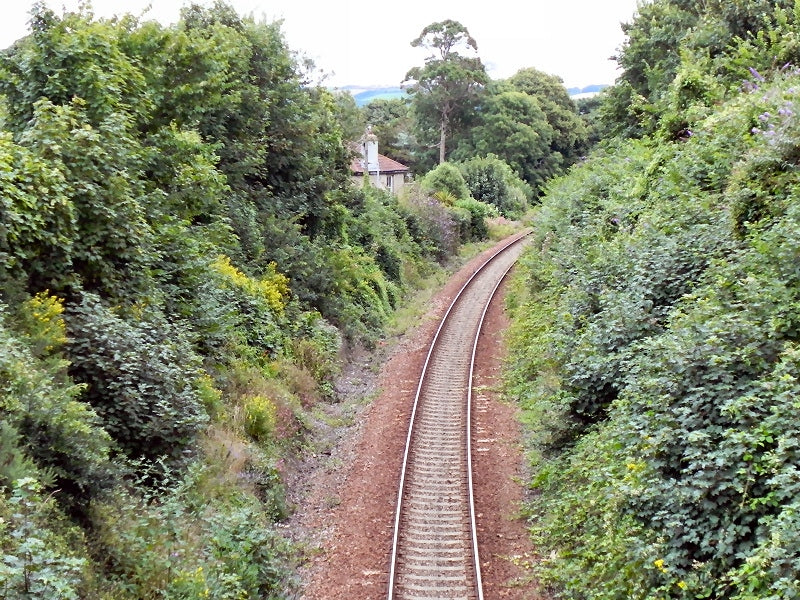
(384, 172)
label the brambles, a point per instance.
(656, 341)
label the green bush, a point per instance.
(477, 213)
(316, 347)
(446, 178)
(139, 378)
(41, 555)
(260, 415)
(656, 357)
(38, 230)
(492, 181)
(195, 541)
(54, 429)
(431, 224)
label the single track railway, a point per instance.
(435, 547)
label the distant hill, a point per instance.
(365, 95)
(589, 89)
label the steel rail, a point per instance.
(474, 528)
(412, 420)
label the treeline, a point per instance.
(454, 112)
(656, 336)
(183, 258)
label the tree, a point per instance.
(446, 89)
(492, 181)
(514, 127)
(663, 35)
(569, 131)
(349, 115)
(392, 122)
(446, 179)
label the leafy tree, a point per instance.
(56, 63)
(181, 194)
(350, 116)
(513, 127)
(392, 122)
(589, 111)
(569, 132)
(492, 181)
(447, 179)
(445, 90)
(37, 232)
(649, 59)
(666, 33)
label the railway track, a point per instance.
(435, 547)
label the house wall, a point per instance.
(398, 180)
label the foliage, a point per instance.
(257, 305)
(38, 559)
(45, 423)
(139, 378)
(515, 128)
(656, 342)
(569, 132)
(201, 539)
(528, 121)
(431, 223)
(70, 57)
(478, 212)
(37, 231)
(492, 181)
(589, 111)
(260, 417)
(446, 88)
(353, 121)
(183, 258)
(109, 247)
(446, 178)
(391, 121)
(667, 36)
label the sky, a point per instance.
(369, 43)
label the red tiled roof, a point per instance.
(386, 165)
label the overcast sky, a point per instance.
(368, 43)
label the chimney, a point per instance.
(369, 148)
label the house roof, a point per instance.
(385, 164)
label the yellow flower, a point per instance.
(682, 585)
(659, 563)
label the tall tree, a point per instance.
(447, 87)
(663, 35)
(569, 137)
(513, 127)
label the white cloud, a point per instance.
(369, 43)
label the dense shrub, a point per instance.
(201, 538)
(44, 421)
(446, 178)
(184, 195)
(477, 212)
(43, 556)
(37, 231)
(656, 347)
(139, 378)
(432, 224)
(492, 181)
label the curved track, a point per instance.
(435, 549)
